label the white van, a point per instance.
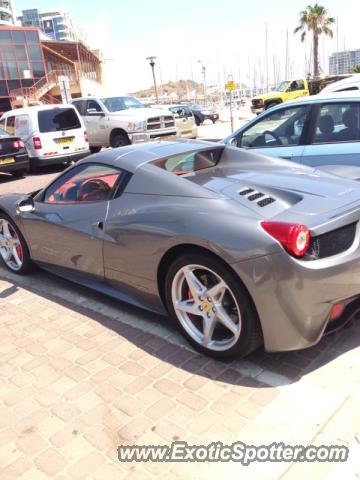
(52, 133)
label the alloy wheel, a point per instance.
(10, 246)
(206, 307)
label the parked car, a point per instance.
(320, 130)
(346, 85)
(13, 155)
(184, 120)
(231, 244)
(118, 121)
(203, 112)
(52, 133)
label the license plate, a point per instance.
(5, 161)
(167, 137)
(64, 141)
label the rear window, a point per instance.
(189, 163)
(58, 119)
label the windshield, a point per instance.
(115, 104)
(281, 87)
(58, 119)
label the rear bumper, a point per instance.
(72, 157)
(21, 163)
(294, 298)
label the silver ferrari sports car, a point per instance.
(238, 249)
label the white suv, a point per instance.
(52, 133)
(117, 121)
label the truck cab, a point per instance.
(284, 91)
(118, 121)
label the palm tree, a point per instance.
(356, 69)
(315, 19)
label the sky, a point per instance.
(227, 36)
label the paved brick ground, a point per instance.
(76, 383)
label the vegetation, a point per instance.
(315, 20)
(356, 69)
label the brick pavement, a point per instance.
(81, 374)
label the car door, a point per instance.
(95, 122)
(296, 89)
(278, 133)
(65, 229)
(334, 136)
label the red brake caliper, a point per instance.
(18, 248)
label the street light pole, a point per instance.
(203, 71)
(152, 65)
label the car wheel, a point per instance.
(214, 121)
(270, 105)
(18, 173)
(95, 149)
(211, 307)
(197, 121)
(13, 249)
(119, 140)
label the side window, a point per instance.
(338, 122)
(281, 128)
(2, 123)
(10, 125)
(85, 183)
(22, 127)
(79, 105)
(91, 104)
(300, 85)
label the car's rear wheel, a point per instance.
(13, 249)
(119, 139)
(197, 121)
(18, 173)
(95, 149)
(211, 307)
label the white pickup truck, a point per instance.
(118, 121)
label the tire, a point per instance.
(26, 264)
(119, 139)
(224, 344)
(197, 121)
(214, 121)
(18, 173)
(271, 104)
(95, 149)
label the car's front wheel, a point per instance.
(211, 307)
(13, 249)
(18, 173)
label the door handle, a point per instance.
(287, 157)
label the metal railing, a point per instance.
(41, 87)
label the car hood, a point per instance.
(298, 195)
(140, 113)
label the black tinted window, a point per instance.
(58, 119)
(79, 105)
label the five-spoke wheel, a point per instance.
(212, 307)
(13, 249)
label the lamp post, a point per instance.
(203, 71)
(152, 65)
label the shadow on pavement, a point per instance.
(288, 367)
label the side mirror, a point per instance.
(94, 113)
(233, 142)
(26, 205)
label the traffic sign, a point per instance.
(230, 85)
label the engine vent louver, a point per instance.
(253, 195)
(246, 191)
(266, 201)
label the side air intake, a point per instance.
(253, 195)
